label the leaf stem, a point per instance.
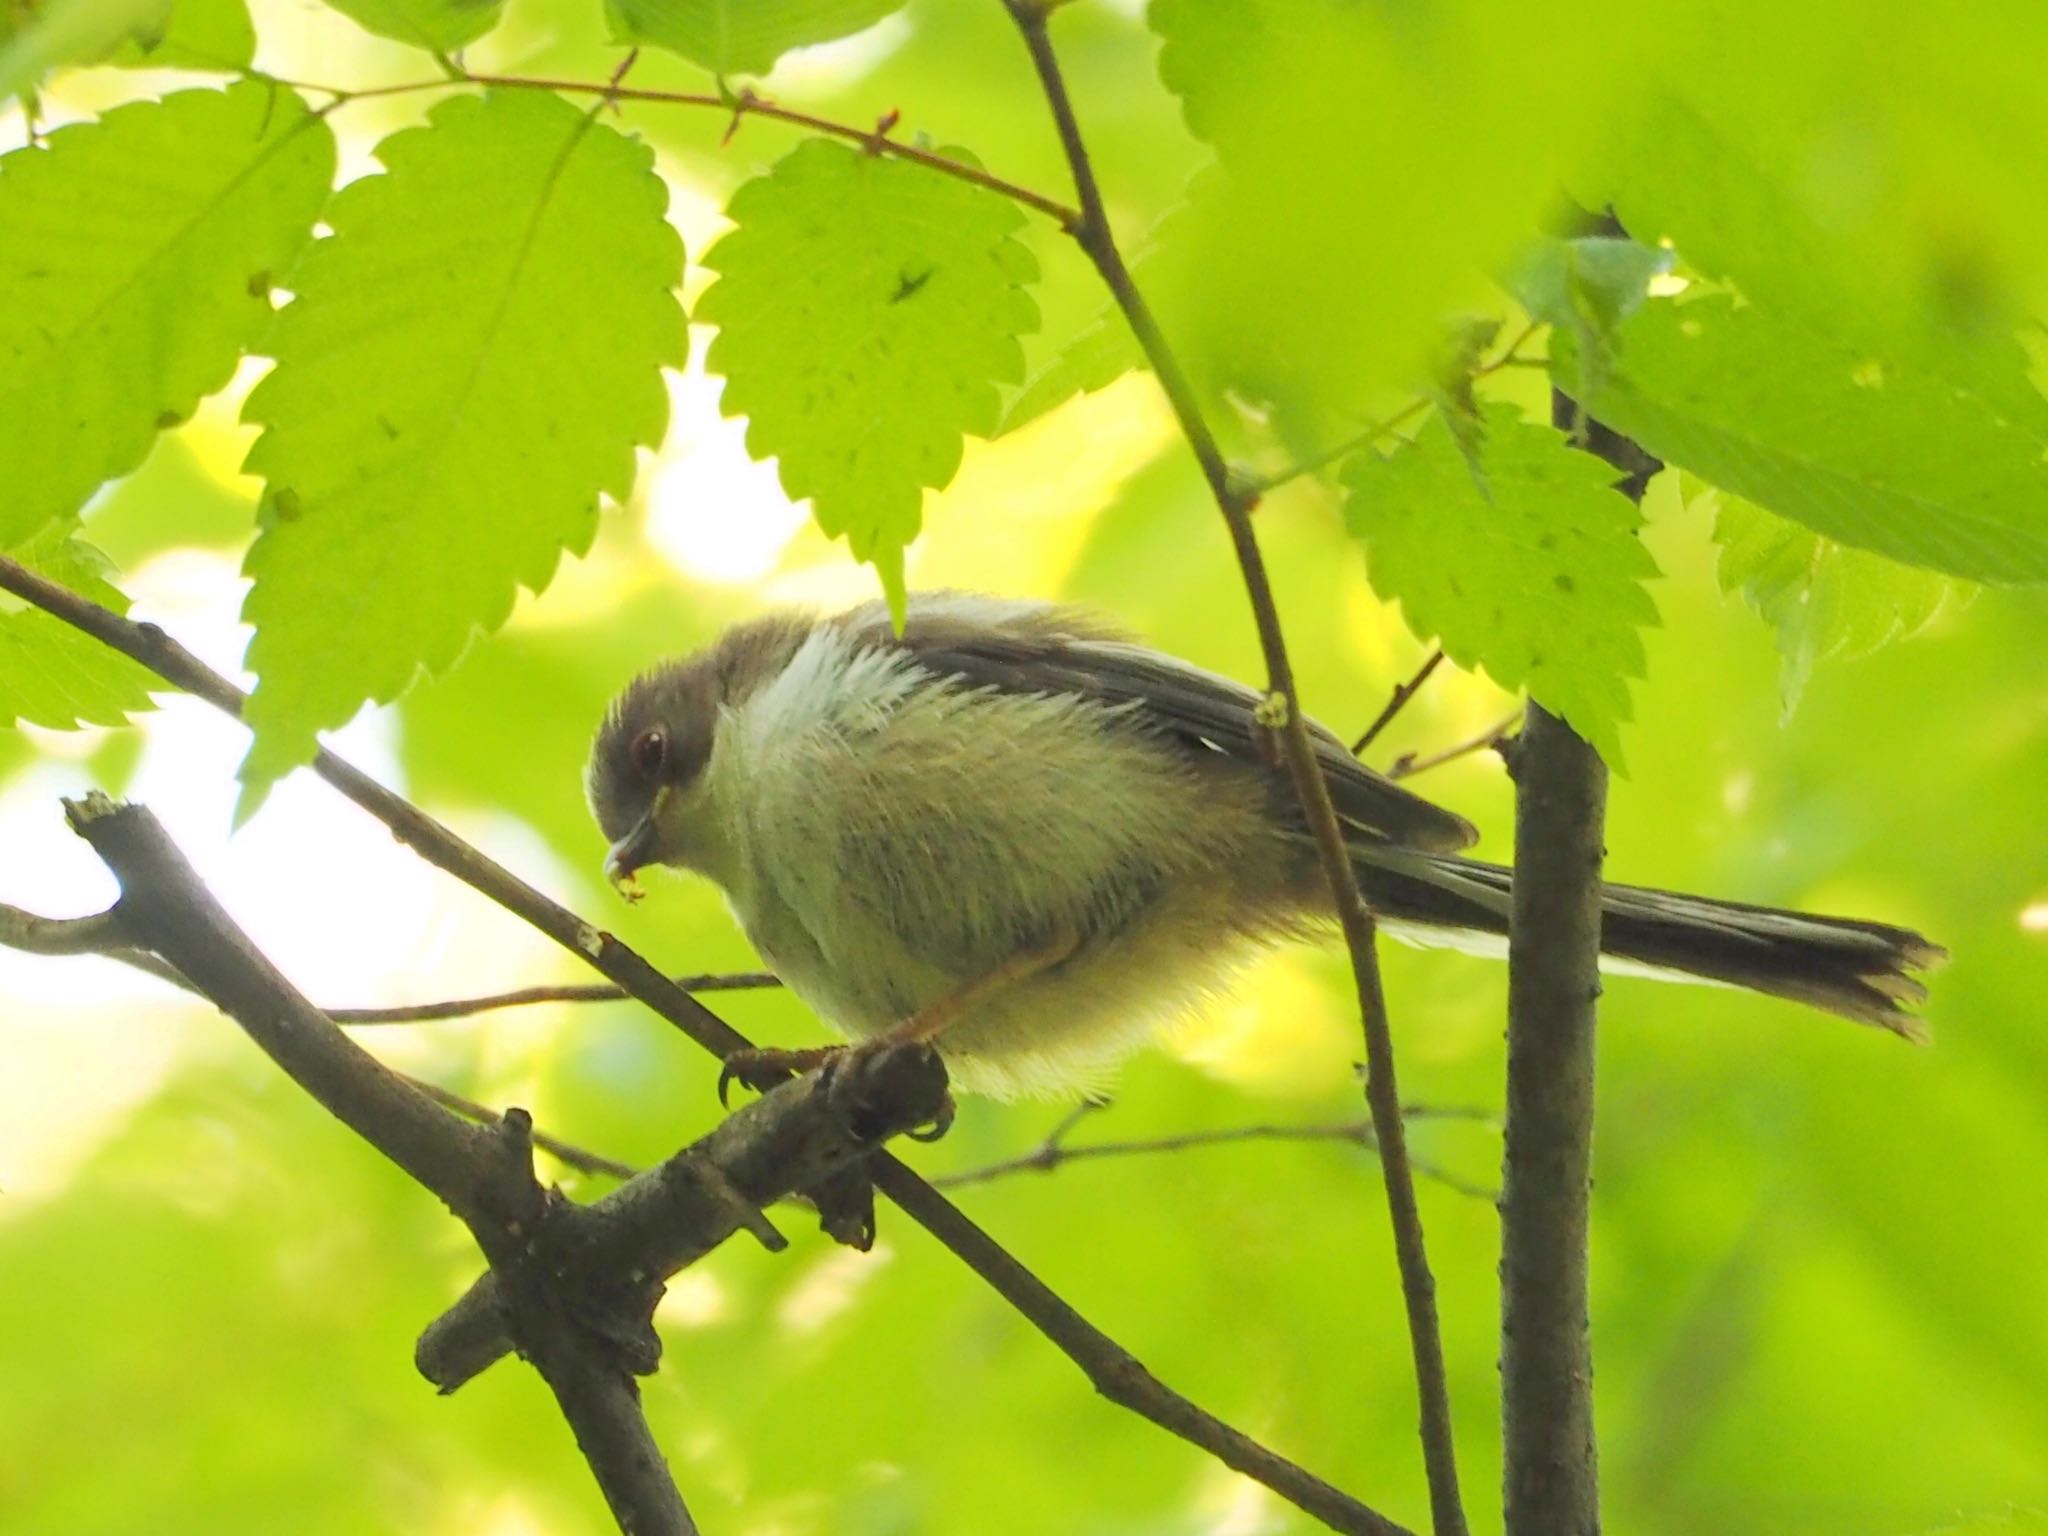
(741, 105)
(1235, 500)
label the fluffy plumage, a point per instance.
(894, 818)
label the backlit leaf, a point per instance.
(469, 363)
(136, 260)
(1535, 574)
(867, 310)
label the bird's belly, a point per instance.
(878, 987)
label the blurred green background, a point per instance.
(1820, 1256)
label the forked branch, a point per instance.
(1106, 1364)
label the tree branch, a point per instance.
(485, 1177)
(1403, 692)
(1497, 735)
(614, 1253)
(1235, 500)
(1056, 1152)
(1546, 1361)
(1101, 1359)
(1551, 1472)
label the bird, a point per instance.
(1013, 832)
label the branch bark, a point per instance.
(484, 1176)
(1106, 1364)
(1552, 1463)
(1235, 499)
(1551, 1468)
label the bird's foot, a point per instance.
(762, 1067)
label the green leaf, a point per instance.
(1874, 457)
(1821, 599)
(470, 361)
(50, 673)
(1588, 286)
(439, 26)
(1377, 158)
(1093, 358)
(1537, 575)
(190, 34)
(867, 310)
(741, 37)
(38, 35)
(136, 260)
(1739, 205)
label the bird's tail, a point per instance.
(1860, 970)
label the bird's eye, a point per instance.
(650, 752)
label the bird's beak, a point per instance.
(636, 850)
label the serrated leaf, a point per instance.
(136, 258)
(741, 37)
(471, 359)
(1537, 577)
(439, 26)
(1093, 358)
(1877, 458)
(1588, 286)
(1821, 599)
(866, 311)
(50, 673)
(1104, 350)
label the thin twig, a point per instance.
(1109, 1367)
(1235, 501)
(1510, 358)
(567, 1152)
(1403, 692)
(1408, 764)
(743, 104)
(570, 992)
(1055, 1154)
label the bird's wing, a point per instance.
(1046, 649)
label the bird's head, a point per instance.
(645, 779)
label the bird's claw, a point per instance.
(762, 1067)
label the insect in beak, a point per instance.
(633, 852)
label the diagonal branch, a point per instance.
(1235, 500)
(485, 1177)
(1107, 1365)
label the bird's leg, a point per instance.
(759, 1068)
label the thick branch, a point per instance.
(166, 908)
(667, 1218)
(1235, 501)
(1099, 1356)
(1546, 1361)
(1551, 1470)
